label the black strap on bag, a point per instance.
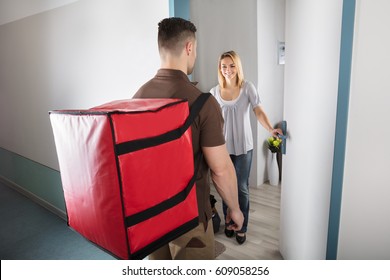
(138, 144)
(135, 145)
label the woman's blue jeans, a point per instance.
(242, 164)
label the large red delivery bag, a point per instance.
(127, 171)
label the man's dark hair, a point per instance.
(173, 33)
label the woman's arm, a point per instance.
(265, 122)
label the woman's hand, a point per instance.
(276, 132)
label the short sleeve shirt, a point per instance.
(236, 113)
(206, 129)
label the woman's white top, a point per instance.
(236, 113)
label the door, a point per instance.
(313, 32)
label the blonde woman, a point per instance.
(237, 97)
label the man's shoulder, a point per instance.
(212, 102)
(142, 92)
(211, 108)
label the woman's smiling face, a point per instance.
(228, 69)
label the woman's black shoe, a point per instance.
(240, 239)
(229, 232)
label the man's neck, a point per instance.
(173, 67)
(175, 63)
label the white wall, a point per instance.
(76, 56)
(225, 25)
(364, 222)
(313, 30)
(270, 31)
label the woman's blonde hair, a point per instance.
(237, 61)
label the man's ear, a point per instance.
(189, 47)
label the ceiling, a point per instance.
(12, 10)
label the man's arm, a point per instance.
(224, 177)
